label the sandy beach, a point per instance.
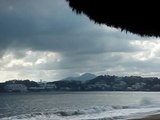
(152, 117)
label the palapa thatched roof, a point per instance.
(132, 16)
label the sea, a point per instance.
(78, 105)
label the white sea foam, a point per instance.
(89, 114)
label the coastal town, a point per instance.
(99, 83)
(27, 85)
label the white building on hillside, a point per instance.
(15, 88)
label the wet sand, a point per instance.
(152, 117)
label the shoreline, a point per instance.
(150, 117)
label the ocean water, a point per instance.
(78, 105)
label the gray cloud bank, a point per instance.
(45, 39)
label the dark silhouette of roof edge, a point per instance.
(127, 16)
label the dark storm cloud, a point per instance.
(45, 25)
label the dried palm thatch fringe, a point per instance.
(132, 16)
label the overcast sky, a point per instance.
(44, 39)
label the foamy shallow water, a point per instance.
(80, 106)
(90, 114)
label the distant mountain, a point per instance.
(110, 83)
(84, 77)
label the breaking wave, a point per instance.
(146, 107)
